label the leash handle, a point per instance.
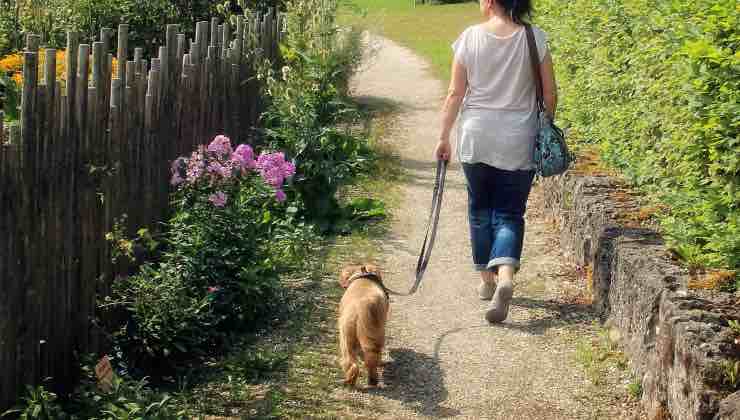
(431, 231)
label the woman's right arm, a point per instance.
(455, 95)
(549, 88)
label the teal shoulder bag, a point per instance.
(551, 156)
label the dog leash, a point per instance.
(431, 232)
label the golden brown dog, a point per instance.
(362, 315)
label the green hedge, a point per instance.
(52, 19)
(656, 85)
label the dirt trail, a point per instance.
(443, 359)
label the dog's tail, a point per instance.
(348, 347)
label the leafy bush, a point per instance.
(51, 19)
(126, 398)
(8, 26)
(237, 7)
(308, 115)
(38, 403)
(223, 252)
(165, 321)
(656, 86)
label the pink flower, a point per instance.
(217, 169)
(221, 146)
(244, 156)
(274, 169)
(176, 180)
(288, 169)
(218, 199)
(273, 176)
(195, 165)
(280, 195)
(213, 289)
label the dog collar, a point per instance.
(370, 275)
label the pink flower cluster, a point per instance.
(274, 170)
(218, 163)
(221, 146)
(244, 156)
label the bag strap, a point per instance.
(534, 59)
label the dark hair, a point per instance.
(519, 10)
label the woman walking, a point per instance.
(494, 92)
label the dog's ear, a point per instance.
(346, 273)
(372, 268)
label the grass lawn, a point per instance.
(428, 30)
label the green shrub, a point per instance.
(147, 20)
(231, 232)
(235, 7)
(657, 86)
(126, 398)
(166, 322)
(53, 18)
(308, 115)
(8, 26)
(38, 403)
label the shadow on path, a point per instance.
(554, 314)
(417, 381)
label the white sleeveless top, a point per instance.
(498, 118)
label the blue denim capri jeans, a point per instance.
(497, 200)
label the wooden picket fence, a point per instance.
(91, 149)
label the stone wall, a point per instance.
(675, 338)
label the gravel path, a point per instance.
(443, 360)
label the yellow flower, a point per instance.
(13, 64)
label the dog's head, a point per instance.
(351, 270)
